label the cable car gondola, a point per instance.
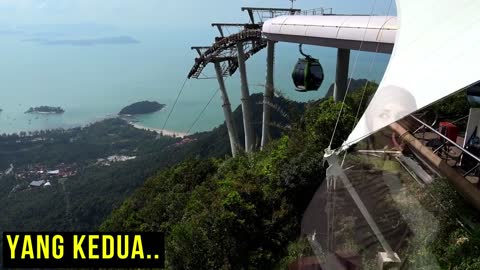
(307, 74)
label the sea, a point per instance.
(94, 78)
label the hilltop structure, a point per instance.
(416, 77)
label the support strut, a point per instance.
(227, 111)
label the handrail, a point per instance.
(447, 139)
(317, 11)
(461, 119)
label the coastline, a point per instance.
(165, 132)
(130, 120)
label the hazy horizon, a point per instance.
(95, 57)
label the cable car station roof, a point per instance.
(365, 33)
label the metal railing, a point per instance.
(450, 143)
(317, 11)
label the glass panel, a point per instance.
(374, 210)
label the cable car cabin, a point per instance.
(307, 75)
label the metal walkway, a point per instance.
(452, 152)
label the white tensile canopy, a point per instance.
(436, 53)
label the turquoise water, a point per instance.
(95, 82)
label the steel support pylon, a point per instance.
(227, 111)
(246, 108)
(341, 77)
(269, 93)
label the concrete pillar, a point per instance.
(268, 95)
(227, 111)
(246, 106)
(341, 77)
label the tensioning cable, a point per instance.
(367, 83)
(352, 73)
(175, 103)
(203, 110)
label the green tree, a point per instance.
(321, 123)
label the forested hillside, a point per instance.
(217, 212)
(242, 212)
(246, 212)
(93, 186)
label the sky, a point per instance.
(172, 20)
(100, 55)
(154, 13)
(177, 22)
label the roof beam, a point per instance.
(220, 26)
(270, 9)
(230, 24)
(199, 49)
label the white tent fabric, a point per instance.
(436, 53)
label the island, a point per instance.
(46, 109)
(142, 107)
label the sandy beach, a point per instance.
(159, 130)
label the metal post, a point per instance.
(268, 96)
(247, 120)
(334, 172)
(227, 111)
(341, 77)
